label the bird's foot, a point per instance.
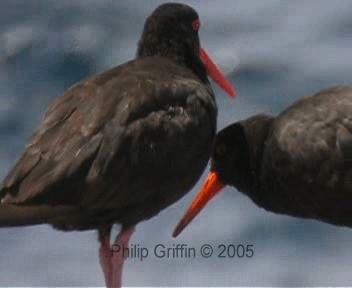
(105, 256)
(121, 246)
(112, 258)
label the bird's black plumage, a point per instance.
(298, 163)
(99, 150)
(120, 146)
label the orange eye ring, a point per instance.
(196, 25)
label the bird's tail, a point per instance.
(23, 215)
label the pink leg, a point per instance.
(119, 255)
(105, 256)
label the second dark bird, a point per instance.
(298, 163)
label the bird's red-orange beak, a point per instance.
(216, 74)
(211, 187)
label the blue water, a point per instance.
(274, 52)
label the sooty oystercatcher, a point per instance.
(121, 146)
(298, 163)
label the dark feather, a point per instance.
(309, 152)
(94, 134)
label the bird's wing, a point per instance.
(160, 135)
(303, 151)
(82, 133)
(65, 144)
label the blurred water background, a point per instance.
(274, 52)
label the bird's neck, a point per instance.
(256, 129)
(177, 51)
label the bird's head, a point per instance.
(172, 31)
(236, 161)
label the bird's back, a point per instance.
(101, 140)
(307, 161)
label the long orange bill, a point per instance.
(211, 187)
(216, 74)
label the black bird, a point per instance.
(298, 163)
(121, 146)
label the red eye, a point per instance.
(196, 25)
